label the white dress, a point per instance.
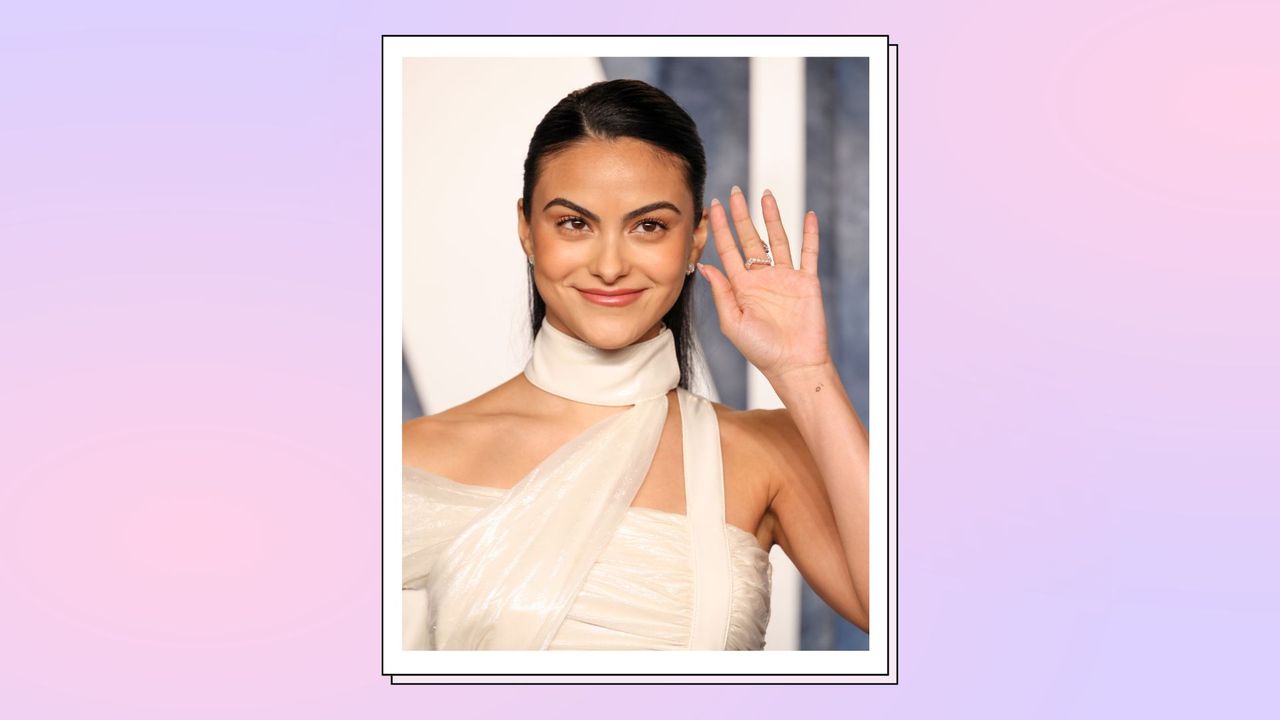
(646, 580)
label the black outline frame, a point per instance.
(890, 207)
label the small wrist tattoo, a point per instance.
(817, 388)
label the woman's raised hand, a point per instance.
(773, 313)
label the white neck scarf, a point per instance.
(507, 581)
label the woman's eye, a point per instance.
(569, 223)
(577, 224)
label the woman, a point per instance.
(592, 501)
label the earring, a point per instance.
(689, 270)
(530, 260)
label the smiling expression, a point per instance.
(611, 232)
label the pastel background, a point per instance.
(189, 387)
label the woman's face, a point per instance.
(610, 216)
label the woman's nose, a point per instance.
(609, 259)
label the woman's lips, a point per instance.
(617, 300)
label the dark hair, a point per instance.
(613, 109)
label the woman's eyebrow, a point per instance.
(660, 205)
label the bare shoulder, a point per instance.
(767, 440)
(759, 451)
(426, 440)
(768, 434)
(445, 443)
(782, 437)
(737, 427)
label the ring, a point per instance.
(766, 260)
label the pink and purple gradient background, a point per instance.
(190, 379)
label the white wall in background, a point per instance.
(777, 162)
(467, 128)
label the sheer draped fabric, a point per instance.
(562, 560)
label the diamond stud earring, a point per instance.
(689, 271)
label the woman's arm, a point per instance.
(772, 312)
(820, 419)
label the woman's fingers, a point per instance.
(777, 235)
(752, 245)
(729, 257)
(809, 248)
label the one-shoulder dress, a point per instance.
(664, 581)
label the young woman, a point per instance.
(593, 501)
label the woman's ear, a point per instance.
(700, 236)
(522, 229)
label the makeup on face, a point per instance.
(611, 298)
(614, 297)
(651, 207)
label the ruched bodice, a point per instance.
(637, 596)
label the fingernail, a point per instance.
(766, 192)
(715, 201)
(736, 189)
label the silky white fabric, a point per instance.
(562, 560)
(637, 596)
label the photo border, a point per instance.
(392, 654)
